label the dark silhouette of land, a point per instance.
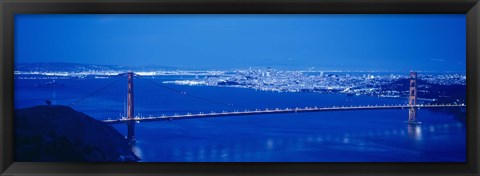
(61, 134)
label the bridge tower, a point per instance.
(130, 111)
(412, 98)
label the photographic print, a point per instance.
(240, 88)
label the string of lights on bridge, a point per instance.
(275, 111)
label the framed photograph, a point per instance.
(229, 87)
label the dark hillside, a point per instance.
(59, 134)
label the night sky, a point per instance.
(322, 42)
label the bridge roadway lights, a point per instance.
(126, 120)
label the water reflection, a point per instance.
(137, 151)
(415, 132)
(268, 149)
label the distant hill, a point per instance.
(61, 134)
(74, 67)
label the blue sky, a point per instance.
(326, 42)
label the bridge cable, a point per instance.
(95, 92)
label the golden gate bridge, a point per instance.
(275, 111)
(130, 119)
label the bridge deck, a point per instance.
(275, 111)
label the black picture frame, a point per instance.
(11, 7)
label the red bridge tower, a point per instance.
(412, 99)
(130, 111)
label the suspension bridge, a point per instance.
(131, 119)
(275, 111)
